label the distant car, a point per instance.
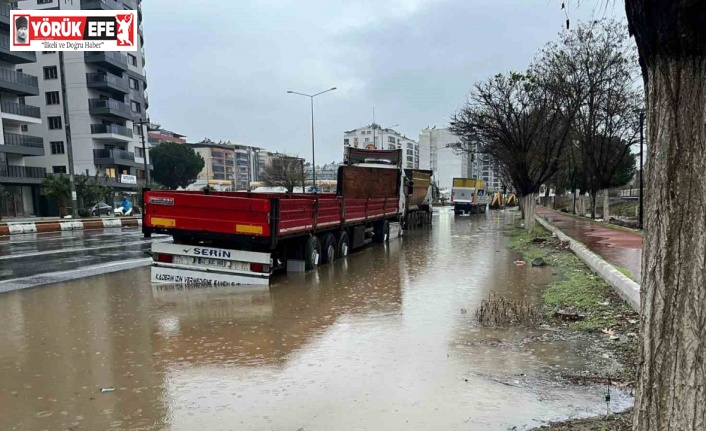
(100, 209)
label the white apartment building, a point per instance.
(374, 137)
(439, 152)
(17, 146)
(106, 101)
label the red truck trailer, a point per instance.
(231, 238)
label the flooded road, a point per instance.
(385, 339)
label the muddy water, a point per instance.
(383, 340)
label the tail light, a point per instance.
(259, 267)
(163, 258)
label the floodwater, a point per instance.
(385, 339)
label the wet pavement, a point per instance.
(385, 339)
(58, 256)
(617, 247)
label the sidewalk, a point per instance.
(618, 247)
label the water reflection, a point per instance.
(382, 340)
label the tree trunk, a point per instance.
(671, 386)
(593, 205)
(606, 205)
(529, 203)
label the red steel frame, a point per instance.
(251, 214)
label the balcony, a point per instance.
(22, 175)
(101, 5)
(109, 107)
(5, 9)
(22, 144)
(14, 57)
(18, 82)
(16, 113)
(114, 157)
(111, 60)
(111, 132)
(112, 84)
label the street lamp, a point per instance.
(313, 159)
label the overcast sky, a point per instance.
(222, 69)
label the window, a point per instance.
(21, 100)
(44, 1)
(54, 123)
(367, 139)
(140, 174)
(24, 128)
(390, 146)
(136, 129)
(134, 84)
(139, 152)
(50, 72)
(346, 142)
(58, 169)
(52, 97)
(110, 172)
(132, 59)
(57, 147)
(48, 52)
(391, 139)
(135, 106)
(410, 145)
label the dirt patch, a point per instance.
(617, 422)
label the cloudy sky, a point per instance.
(222, 69)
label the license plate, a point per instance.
(188, 260)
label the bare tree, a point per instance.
(523, 124)
(284, 171)
(599, 64)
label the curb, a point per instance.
(628, 289)
(60, 226)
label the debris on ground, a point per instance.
(104, 390)
(520, 263)
(538, 262)
(498, 311)
(569, 314)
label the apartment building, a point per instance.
(219, 167)
(437, 153)
(374, 137)
(158, 136)
(18, 146)
(106, 101)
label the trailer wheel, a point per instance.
(382, 232)
(312, 253)
(343, 245)
(328, 248)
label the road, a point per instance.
(35, 259)
(384, 339)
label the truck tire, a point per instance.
(312, 253)
(328, 248)
(343, 245)
(382, 232)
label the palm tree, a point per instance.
(58, 186)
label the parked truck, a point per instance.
(232, 238)
(469, 195)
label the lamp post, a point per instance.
(313, 152)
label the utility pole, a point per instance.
(142, 123)
(67, 129)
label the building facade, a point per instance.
(18, 146)
(106, 101)
(158, 136)
(219, 166)
(439, 151)
(374, 137)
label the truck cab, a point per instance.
(469, 195)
